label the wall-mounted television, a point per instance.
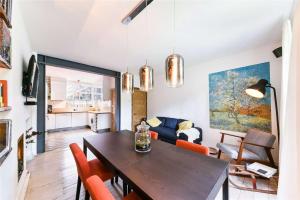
(31, 79)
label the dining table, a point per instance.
(167, 172)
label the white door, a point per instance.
(63, 120)
(103, 121)
(79, 119)
(50, 121)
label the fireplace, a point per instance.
(20, 156)
(5, 139)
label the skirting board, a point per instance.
(22, 185)
(67, 129)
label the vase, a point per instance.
(143, 138)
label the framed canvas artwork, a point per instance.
(231, 108)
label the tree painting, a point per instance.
(231, 108)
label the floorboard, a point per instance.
(54, 175)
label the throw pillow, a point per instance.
(185, 125)
(154, 122)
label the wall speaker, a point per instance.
(278, 52)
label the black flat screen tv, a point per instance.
(31, 79)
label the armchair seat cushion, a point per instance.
(233, 150)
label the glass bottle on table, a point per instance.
(143, 138)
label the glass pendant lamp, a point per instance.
(127, 82)
(174, 64)
(146, 78)
(146, 72)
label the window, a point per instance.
(84, 92)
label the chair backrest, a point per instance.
(259, 137)
(193, 147)
(97, 189)
(81, 162)
(154, 135)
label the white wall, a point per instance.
(191, 101)
(20, 55)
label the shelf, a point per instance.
(4, 17)
(4, 64)
(4, 109)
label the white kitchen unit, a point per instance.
(50, 121)
(58, 88)
(79, 119)
(103, 121)
(63, 120)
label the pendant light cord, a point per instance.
(147, 51)
(174, 37)
(127, 48)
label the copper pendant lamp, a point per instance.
(174, 64)
(146, 78)
(146, 72)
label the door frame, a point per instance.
(43, 61)
(137, 89)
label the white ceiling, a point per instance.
(90, 31)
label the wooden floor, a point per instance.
(54, 175)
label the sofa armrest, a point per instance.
(200, 133)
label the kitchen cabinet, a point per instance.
(79, 119)
(63, 120)
(50, 121)
(58, 88)
(103, 121)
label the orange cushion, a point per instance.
(97, 189)
(132, 196)
(193, 147)
(154, 135)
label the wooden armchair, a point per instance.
(254, 147)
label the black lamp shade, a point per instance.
(258, 90)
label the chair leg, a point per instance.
(78, 188)
(219, 154)
(125, 189)
(87, 195)
(112, 181)
(269, 154)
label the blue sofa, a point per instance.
(167, 130)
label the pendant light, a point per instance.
(127, 78)
(174, 64)
(146, 72)
(127, 82)
(146, 78)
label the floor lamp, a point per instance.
(258, 90)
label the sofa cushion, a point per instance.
(154, 122)
(163, 120)
(164, 132)
(171, 123)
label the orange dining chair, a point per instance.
(99, 191)
(192, 147)
(154, 135)
(87, 168)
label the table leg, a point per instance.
(84, 149)
(225, 190)
(125, 189)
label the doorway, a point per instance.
(139, 107)
(44, 95)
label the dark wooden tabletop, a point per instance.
(165, 173)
